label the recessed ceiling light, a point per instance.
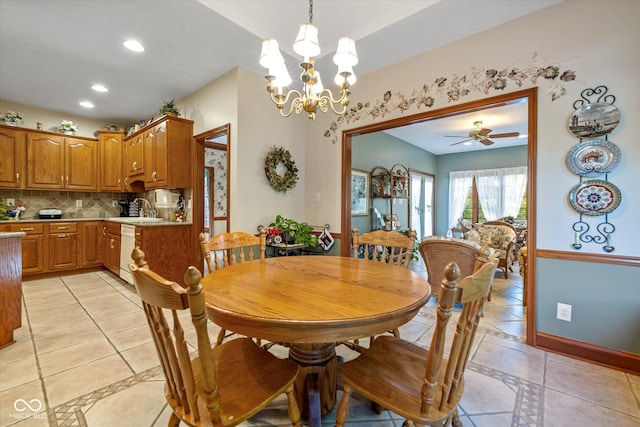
(86, 104)
(99, 88)
(133, 45)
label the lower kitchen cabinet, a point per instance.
(33, 246)
(111, 246)
(89, 243)
(167, 249)
(63, 246)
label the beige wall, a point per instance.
(562, 37)
(51, 119)
(240, 98)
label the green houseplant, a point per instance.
(169, 108)
(299, 232)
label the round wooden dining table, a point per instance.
(311, 303)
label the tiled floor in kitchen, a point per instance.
(84, 357)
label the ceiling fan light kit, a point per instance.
(482, 135)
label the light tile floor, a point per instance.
(84, 357)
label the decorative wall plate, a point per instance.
(595, 197)
(593, 120)
(593, 157)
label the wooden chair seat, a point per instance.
(423, 386)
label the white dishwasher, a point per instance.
(127, 243)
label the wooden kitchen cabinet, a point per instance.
(111, 246)
(89, 243)
(63, 246)
(134, 157)
(33, 246)
(12, 160)
(168, 152)
(167, 249)
(58, 162)
(111, 149)
(10, 288)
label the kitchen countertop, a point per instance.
(124, 220)
(8, 235)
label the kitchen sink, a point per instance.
(136, 220)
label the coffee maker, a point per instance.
(124, 207)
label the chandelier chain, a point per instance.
(310, 11)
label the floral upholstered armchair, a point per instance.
(500, 238)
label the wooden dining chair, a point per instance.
(222, 386)
(422, 385)
(388, 247)
(226, 249)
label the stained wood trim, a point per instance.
(600, 258)
(616, 359)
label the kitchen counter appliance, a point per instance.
(50, 213)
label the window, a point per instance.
(487, 194)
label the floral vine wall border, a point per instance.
(480, 80)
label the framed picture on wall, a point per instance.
(359, 192)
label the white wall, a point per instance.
(604, 55)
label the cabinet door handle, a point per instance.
(63, 228)
(111, 243)
(126, 181)
(62, 236)
(135, 165)
(27, 229)
(62, 179)
(153, 176)
(119, 181)
(104, 230)
(17, 177)
(67, 180)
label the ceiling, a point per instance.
(51, 52)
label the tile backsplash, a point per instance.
(94, 205)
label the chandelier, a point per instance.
(313, 96)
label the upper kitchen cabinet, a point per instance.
(59, 162)
(134, 158)
(168, 146)
(111, 177)
(12, 160)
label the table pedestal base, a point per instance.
(316, 384)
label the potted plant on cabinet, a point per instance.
(11, 118)
(169, 108)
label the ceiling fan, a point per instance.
(482, 135)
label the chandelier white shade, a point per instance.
(313, 96)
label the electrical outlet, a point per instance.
(114, 203)
(564, 312)
(78, 203)
(11, 202)
(317, 197)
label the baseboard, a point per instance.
(616, 359)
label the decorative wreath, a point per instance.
(278, 182)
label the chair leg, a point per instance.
(343, 407)
(221, 335)
(455, 419)
(174, 420)
(294, 411)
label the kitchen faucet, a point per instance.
(150, 212)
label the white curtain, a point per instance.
(489, 184)
(500, 191)
(514, 185)
(459, 187)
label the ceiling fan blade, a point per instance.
(486, 141)
(483, 132)
(456, 136)
(504, 135)
(460, 142)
